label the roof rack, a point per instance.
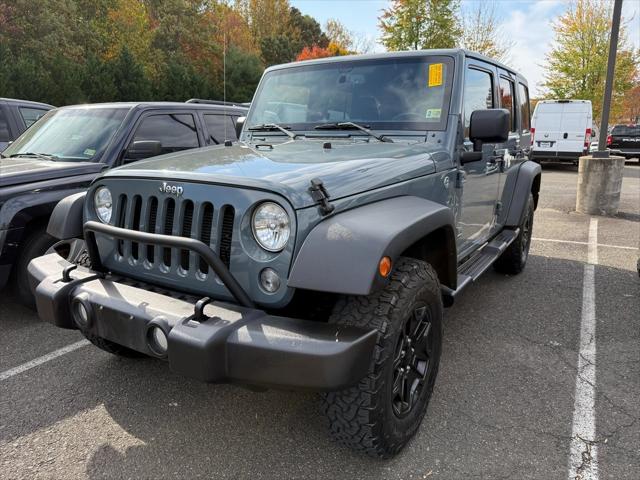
(218, 102)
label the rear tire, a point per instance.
(380, 414)
(35, 245)
(514, 258)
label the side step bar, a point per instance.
(478, 263)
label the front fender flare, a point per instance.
(66, 219)
(341, 254)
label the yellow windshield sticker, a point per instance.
(435, 75)
(433, 114)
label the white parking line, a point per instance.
(43, 359)
(583, 457)
(574, 242)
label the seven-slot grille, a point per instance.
(178, 217)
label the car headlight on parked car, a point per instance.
(271, 226)
(103, 204)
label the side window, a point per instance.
(220, 128)
(173, 131)
(478, 94)
(31, 115)
(5, 135)
(506, 100)
(525, 112)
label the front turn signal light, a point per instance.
(384, 267)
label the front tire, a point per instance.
(383, 411)
(35, 245)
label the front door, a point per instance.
(480, 180)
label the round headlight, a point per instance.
(103, 204)
(271, 227)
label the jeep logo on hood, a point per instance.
(176, 190)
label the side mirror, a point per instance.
(143, 149)
(489, 126)
(239, 124)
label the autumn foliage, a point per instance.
(332, 50)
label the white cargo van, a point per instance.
(561, 130)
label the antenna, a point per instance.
(224, 81)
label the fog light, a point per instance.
(269, 280)
(80, 313)
(158, 341)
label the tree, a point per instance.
(333, 50)
(129, 78)
(306, 30)
(481, 32)
(631, 105)
(339, 34)
(577, 64)
(420, 24)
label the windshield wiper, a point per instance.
(43, 156)
(273, 126)
(363, 128)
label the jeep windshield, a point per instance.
(405, 94)
(74, 134)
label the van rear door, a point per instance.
(576, 119)
(547, 120)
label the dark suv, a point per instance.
(365, 194)
(624, 140)
(63, 152)
(16, 116)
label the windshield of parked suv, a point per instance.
(630, 130)
(75, 134)
(407, 93)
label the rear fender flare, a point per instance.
(342, 253)
(527, 182)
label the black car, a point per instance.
(18, 115)
(624, 140)
(70, 146)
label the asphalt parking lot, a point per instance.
(504, 405)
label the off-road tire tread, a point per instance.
(510, 262)
(352, 414)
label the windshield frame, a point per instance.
(397, 128)
(33, 129)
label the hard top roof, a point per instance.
(453, 52)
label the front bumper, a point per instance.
(231, 344)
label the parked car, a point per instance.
(70, 146)
(365, 194)
(624, 140)
(16, 116)
(562, 130)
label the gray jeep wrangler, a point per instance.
(364, 194)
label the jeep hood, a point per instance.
(347, 168)
(17, 171)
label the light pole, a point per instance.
(600, 174)
(608, 87)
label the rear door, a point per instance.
(547, 120)
(575, 121)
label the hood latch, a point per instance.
(320, 196)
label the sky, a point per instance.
(526, 23)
